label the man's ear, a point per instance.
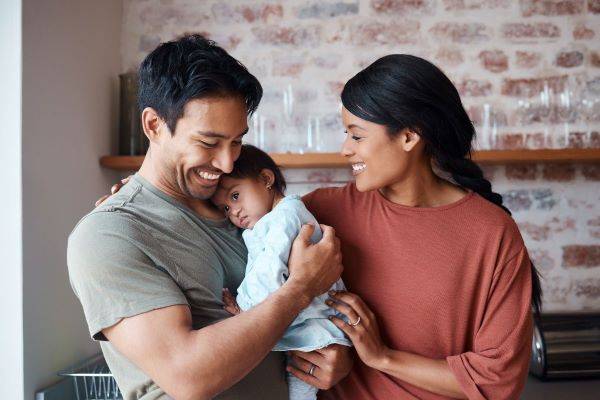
(409, 139)
(153, 125)
(268, 177)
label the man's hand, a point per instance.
(332, 364)
(315, 267)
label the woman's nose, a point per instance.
(347, 147)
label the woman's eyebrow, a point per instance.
(356, 126)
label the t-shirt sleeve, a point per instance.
(268, 269)
(112, 273)
(321, 201)
(496, 368)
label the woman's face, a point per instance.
(378, 160)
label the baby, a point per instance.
(252, 197)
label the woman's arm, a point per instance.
(426, 373)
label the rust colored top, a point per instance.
(450, 282)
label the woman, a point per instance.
(441, 284)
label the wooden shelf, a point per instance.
(335, 160)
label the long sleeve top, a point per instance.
(269, 244)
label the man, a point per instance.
(149, 265)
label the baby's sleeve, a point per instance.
(268, 268)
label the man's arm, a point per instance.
(199, 364)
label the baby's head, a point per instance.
(249, 192)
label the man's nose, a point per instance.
(223, 160)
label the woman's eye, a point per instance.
(237, 143)
(226, 209)
(353, 137)
(235, 196)
(209, 145)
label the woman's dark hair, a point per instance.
(189, 68)
(250, 164)
(403, 91)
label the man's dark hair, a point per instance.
(252, 161)
(192, 67)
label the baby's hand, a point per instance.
(231, 305)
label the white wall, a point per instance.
(71, 62)
(11, 306)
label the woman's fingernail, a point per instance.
(329, 302)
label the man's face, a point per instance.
(206, 142)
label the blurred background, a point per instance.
(528, 72)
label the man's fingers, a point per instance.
(303, 376)
(305, 233)
(301, 363)
(311, 357)
(328, 232)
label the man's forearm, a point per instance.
(220, 355)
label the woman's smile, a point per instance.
(358, 168)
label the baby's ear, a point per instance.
(268, 177)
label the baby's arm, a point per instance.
(230, 305)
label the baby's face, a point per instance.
(244, 201)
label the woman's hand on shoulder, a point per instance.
(113, 189)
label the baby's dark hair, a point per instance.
(252, 161)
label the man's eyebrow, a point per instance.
(356, 126)
(219, 135)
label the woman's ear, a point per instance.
(268, 177)
(152, 124)
(409, 139)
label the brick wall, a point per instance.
(498, 52)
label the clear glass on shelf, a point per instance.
(488, 131)
(590, 112)
(256, 131)
(295, 140)
(544, 111)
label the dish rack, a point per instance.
(92, 380)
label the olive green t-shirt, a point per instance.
(142, 250)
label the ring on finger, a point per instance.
(312, 369)
(355, 323)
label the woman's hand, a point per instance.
(362, 328)
(113, 189)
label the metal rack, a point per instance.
(93, 380)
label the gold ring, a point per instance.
(312, 369)
(355, 323)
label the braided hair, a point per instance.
(403, 91)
